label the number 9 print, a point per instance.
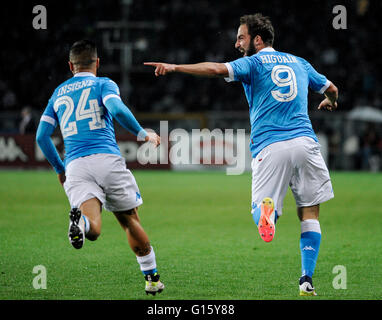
(288, 81)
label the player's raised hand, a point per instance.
(153, 138)
(161, 68)
(326, 104)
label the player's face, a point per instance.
(243, 41)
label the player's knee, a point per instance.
(127, 218)
(132, 212)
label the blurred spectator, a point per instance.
(371, 149)
(180, 31)
(9, 99)
(27, 123)
(34, 62)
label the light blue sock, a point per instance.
(256, 212)
(87, 223)
(309, 245)
(152, 271)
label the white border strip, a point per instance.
(231, 76)
(326, 86)
(112, 95)
(48, 119)
(310, 225)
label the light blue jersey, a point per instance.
(78, 106)
(276, 86)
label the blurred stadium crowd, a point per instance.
(34, 62)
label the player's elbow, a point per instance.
(125, 118)
(116, 113)
(41, 137)
(217, 69)
(221, 70)
(42, 142)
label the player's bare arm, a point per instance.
(331, 96)
(204, 69)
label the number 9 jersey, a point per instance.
(78, 106)
(276, 86)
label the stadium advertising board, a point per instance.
(21, 151)
(179, 150)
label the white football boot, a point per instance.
(153, 285)
(76, 233)
(306, 287)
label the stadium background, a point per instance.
(34, 62)
(207, 246)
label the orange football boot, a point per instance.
(266, 224)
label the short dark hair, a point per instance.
(259, 25)
(83, 53)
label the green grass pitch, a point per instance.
(206, 243)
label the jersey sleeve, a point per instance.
(49, 114)
(125, 117)
(241, 69)
(317, 81)
(114, 104)
(48, 123)
(109, 90)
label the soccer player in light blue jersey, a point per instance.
(284, 147)
(93, 173)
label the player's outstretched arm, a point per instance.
(331, 97)
(204, 69)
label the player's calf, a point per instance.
(92, 229)
(91, 218)
(140, 244)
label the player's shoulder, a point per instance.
(108, 85)
(297, 58)
(249, 61)
(253, 58)
(106, 80)
(289, 55)
(302, 60)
